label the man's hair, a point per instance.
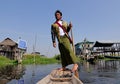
(58, 11)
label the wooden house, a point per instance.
(81, 47)
(9, 48)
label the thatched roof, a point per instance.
(8, 42)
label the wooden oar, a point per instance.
(73, 47)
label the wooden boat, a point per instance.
(91, 59)
(60, 77)
(113, 57)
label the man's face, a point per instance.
(58, 16)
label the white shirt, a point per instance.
(60, 29)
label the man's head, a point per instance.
(58, 15)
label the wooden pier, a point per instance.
(60, 77)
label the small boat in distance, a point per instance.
(113, 57)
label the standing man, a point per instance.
(59, 30)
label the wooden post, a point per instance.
(72, 42)
(20, 56)
(76, 72)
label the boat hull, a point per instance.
(60, 77)
(112, 57)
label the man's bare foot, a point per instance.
(62, 69)
(75, 67)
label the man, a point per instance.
(60, 30)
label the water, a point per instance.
(101, 72)
(34, 73)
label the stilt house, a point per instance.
(9, 48)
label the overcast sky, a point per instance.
(30, 19)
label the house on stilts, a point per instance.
(9, 49)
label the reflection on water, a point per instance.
(109, 66)
(10, 72)
(34, 73)
(101, 72)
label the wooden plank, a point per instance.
(57, 75)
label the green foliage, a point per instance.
(100, 57)
(37, 59)
(5, 61)
(57, 57)
(30, 59)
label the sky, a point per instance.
(96, 20)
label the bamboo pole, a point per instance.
(73, 41)
(73, 47)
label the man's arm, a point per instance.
(53, 37)
(69, 27)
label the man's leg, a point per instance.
(75, 67)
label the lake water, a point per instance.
(100, 72)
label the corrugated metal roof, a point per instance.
(100, 44)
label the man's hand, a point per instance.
(70, 25)
(54, 45)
